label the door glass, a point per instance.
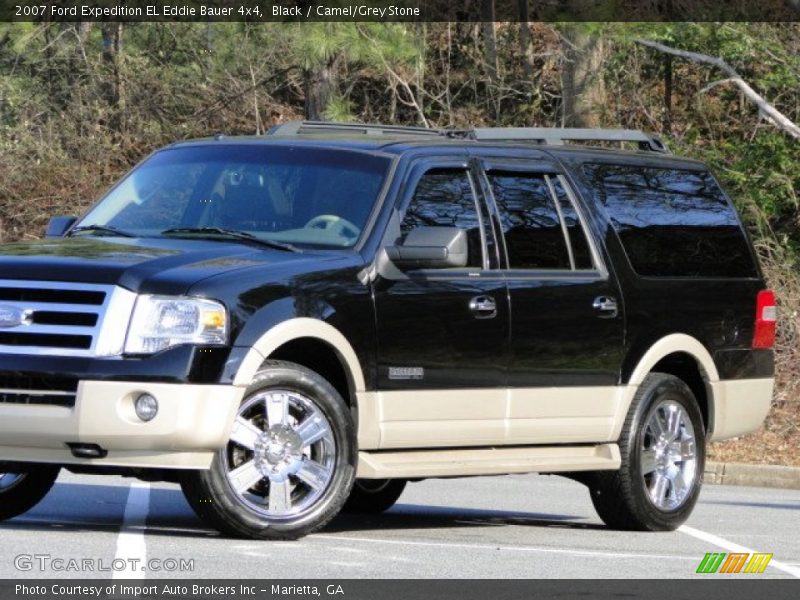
(530, 220)
(577, 235)
(444, 197)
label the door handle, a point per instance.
(606, 307)
(483, 307)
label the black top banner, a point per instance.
(399, 10)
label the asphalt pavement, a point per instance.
(529, 526)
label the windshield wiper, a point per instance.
(232, 233)
(107, 229)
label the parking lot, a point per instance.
(528, 526)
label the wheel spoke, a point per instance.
(648, 461)
(658, 489)
(280, 496)
(678, 486)
(682, 450)
(313, 474)
(673, 422)
(277, 409)
(657, 425)
(312, 430)
(245, 476)
(245, 433)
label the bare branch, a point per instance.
(403, 83)
(765, 109)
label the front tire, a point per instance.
(20, 492)
(374, 496)
(290, 463)
(663, 456)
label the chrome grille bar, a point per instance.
(64, 326)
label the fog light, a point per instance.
(146, 407)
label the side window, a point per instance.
(575, 231)
(444, 197)
(672, 222)
(530, 220)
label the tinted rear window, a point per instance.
(672, 223)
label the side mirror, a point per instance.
(431, 248)
(58, 226)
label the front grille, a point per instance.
(50, 317)
(38, 389)
(16, 381)
(35, 397)
(50, 292)
(52, 340)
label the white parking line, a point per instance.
(495, 547)
(130, 543)
(732, 547)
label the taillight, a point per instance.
(766, 316)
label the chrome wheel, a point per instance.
(281, 455)
(668, 456)
(9, 480)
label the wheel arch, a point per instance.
(684, 357)
(303, 330)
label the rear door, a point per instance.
(567, 313)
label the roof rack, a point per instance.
(539, 135)
(306, 127)
(557, 136)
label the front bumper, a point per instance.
(194, 420)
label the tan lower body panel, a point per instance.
(141, 459)
(487, 461)
(488, 417)
(193, 421)
(740, 406)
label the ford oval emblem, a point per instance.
(10, 316)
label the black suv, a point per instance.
(293, 324)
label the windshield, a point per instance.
(319, 197)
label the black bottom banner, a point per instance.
(391, 589)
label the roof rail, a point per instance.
(539, 135)
(305, 127)
(557, 136)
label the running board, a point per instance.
(486, 461)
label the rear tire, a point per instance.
(374, 496)
(289, 465)
(20, 492)
(662, 446)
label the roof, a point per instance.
(401, 140)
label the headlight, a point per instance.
(159, 322)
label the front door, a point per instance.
(442, 333)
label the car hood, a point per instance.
(159, 266)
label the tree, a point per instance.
(765, 108)
(583, 90)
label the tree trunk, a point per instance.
(667, 121)
(525, 39)
(319, 83)
(489, 39)
(583, 91)
(112, 50)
